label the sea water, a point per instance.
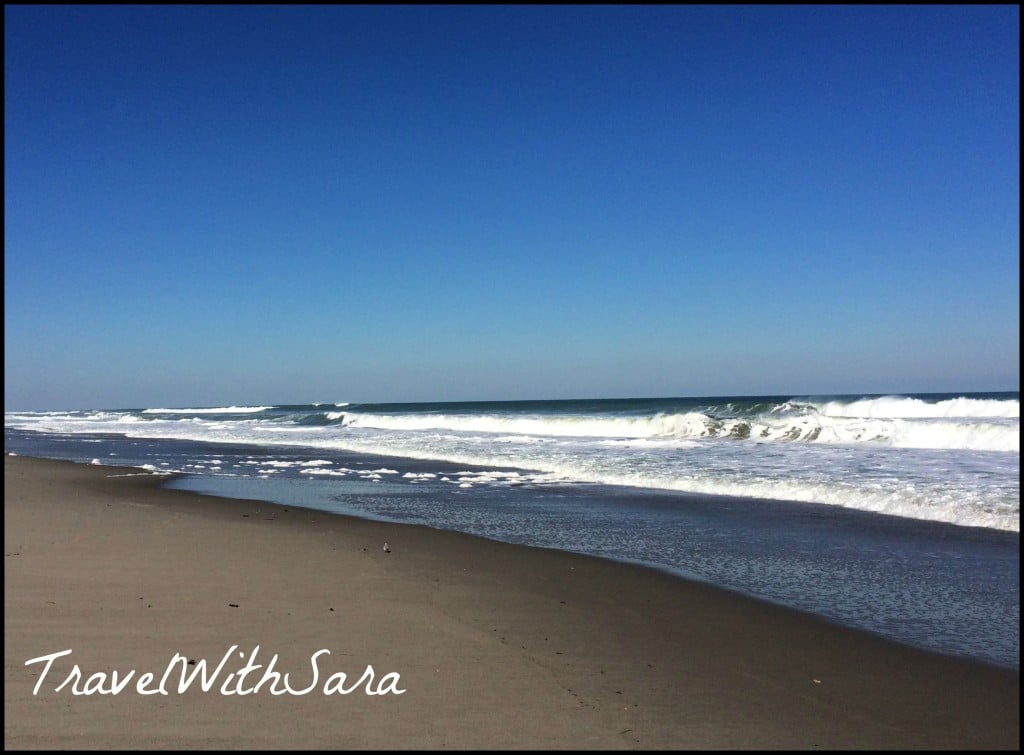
(895, 514)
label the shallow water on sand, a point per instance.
(939, 586)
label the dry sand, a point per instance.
(497, 646)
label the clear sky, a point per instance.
(254, 205)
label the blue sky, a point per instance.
(224, 205)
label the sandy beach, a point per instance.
(491, 645)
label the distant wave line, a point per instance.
(211, 410)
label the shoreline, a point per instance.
(497, 645)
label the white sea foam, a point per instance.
(829, 475)
(903, 407)
(520, 427)
(841, 423)
(955, 460)
(977, 436)
(280, 464)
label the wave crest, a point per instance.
(812, 426)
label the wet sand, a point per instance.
(495, 645)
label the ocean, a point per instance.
(896, 514)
